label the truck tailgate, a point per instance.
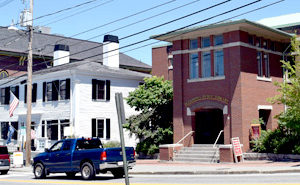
(115, 154)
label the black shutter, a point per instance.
(94, 128)
(107, 89)
(44, 91)
(17, 92)
(55, 89)
(94, 85)
(107, 128)
(25, 93)
(7, 95)
(34, 91)
(68, 88)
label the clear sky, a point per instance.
(94, 14)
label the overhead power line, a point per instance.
(226, 12)
(59, 11)
(77, 13)
(268, 5)
(117, 20)
(5, 3)
(142, 20)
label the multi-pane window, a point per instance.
(205, 42)
(62, 89)
(193, 43)
(265, 44)
(100, 89)
(258, 43)
(63, 124)
(206, 65)
(101, 128)
(194, 66)
(52, 129)
(219, 63)
(4, 130)
(56, 90)
(218, 40)
(2, 91)
(267, 66)
(251, 40)
(49, 91)
(15, 126)
(259, 62)
(15, 90)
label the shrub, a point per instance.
(112, 144)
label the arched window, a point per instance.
(3, 74)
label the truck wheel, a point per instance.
(3, 172)
(39, 171)
(118, 173)
(87, 171)
(70, 174)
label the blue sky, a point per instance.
(116, 9)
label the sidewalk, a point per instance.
(170, 167)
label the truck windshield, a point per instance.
(3, 150)
(88, 144)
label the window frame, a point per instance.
(203, 39)
(2, 96)
(216, 62)
(192, 41)
(194, 70)
(267, 65)
(215, 40)
(259, 64)
(203, 70)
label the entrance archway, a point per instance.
(208, 124)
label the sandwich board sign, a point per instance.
(237, 149)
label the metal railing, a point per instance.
(185, 137)
(218, 138)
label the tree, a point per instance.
(153, 125)
(290, 92)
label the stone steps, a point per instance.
(198, 153)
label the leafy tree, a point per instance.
(286, 138)
(153, 125)
(290, 92)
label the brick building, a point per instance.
(222, 77)
(162, 61)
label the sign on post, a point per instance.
(237, 149)
(255, 131)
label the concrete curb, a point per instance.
(215, 172)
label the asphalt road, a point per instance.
(24, 178)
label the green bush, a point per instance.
(112, 144)
(279, 141)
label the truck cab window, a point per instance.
(56, 147)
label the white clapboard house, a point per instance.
(76, 98)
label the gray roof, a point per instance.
(43, 44)
(93, 68)
(89, 66)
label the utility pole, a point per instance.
(29, 89)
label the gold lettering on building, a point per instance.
(207, 97)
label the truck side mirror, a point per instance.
(47, 150)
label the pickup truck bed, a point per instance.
(87, 156)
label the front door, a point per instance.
(209, 123)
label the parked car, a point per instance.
(4, 160)
(84, 155)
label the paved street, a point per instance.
(18, 178)
(161, 172)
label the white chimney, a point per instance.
(61, 54)
(111, 51)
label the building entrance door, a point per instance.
(209, 123)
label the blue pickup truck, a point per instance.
(84, 155)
